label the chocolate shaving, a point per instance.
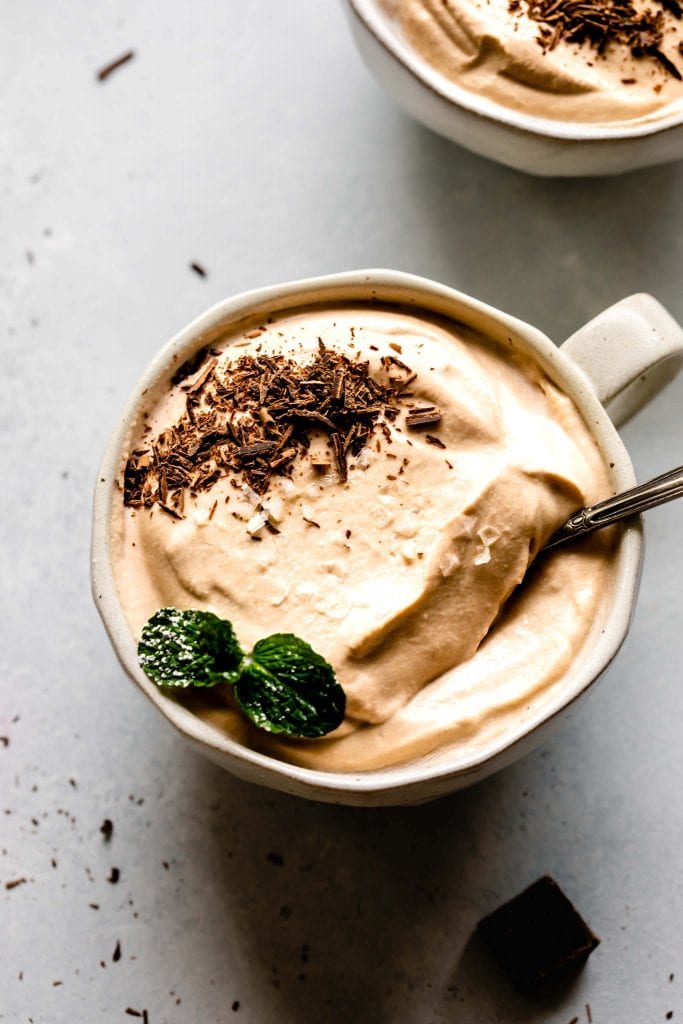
(340, 457)
(287, 456)
(286, 436)
(339, 385)
(249, 451)
(257, 415)
(667, 64)
(435, 441)
(426, 417)
(191, 365)
(171, 511)
(409, 380)
(308, 414)
(673, 7)
(199, 381)
(601, 24)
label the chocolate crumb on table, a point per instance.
(116, 955)
(114, 876)
(14, 883)
(198, 269)
(114, 65)
(538, 936)
(107, 828)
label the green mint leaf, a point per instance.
(190, 648)
(285, 687)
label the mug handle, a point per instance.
(629, 352)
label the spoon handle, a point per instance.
(655, 492)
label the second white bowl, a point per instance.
(533, 144)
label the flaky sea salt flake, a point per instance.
(274, 508)
(382, 515)
(449, 563)
(257, 522)
(488, 535)
(483, 555)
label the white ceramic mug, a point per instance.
(619, 360)
(538, 145)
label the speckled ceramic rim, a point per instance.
(377, 23)
(406, 782)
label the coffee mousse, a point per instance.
(600, 61)
(378, 481)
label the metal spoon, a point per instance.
(638, 499)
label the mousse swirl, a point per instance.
(429, 468)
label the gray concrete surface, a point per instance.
(249, 137)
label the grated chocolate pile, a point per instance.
(256, 416)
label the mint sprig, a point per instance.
(191, 648)
(283, 686)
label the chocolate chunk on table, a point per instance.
(538, 936)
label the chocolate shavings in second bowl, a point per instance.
(601, 23)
